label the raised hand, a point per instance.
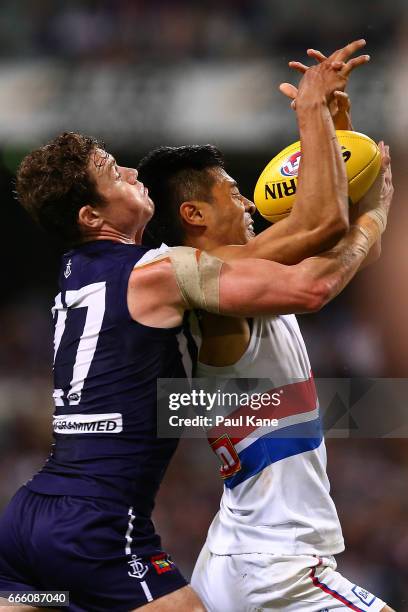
(340, 110)
(339, 56)
(339, 106)
(336, 69)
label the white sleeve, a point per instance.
(152, 254)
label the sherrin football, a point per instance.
(275, 190)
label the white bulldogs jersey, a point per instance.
(276, 491)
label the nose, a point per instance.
(249, 207)
(132, 174)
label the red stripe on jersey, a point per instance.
(295, 398)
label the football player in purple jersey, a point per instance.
(83, 522)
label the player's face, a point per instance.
(230, 220)
(127, 200)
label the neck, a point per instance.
(203, 243)
(108, 233)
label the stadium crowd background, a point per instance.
(143, 73)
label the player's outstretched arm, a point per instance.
(160, 291)
(250, 288)
(322, 184)
(320, 214)
(184, 278)
(308, 286)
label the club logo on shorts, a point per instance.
(365, 596)
(162, 563)
(291, 165)
(138, 568)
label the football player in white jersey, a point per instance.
(271, 545)
(76, 191)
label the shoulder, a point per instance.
(150, 273)
(149, 255)
(163, 265)
(154, 298)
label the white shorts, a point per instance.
(258, 581)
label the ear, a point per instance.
(193, 212)
(89, 218)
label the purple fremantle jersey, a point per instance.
(105, 371)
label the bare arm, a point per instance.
(309, 285)
(250, 287)
(340, 110)
(319, 217)
(271, 288)
(256, 287)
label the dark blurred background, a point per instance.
(142, 73)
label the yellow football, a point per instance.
(275, 190)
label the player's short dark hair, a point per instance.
(175, 175)
(53, 183)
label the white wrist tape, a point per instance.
(366, 244)
(379, 216)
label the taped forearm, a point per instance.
(334, 269)
(372, 225)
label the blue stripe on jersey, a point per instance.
(274, 447)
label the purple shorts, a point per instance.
(100, 551)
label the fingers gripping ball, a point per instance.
(275, 190)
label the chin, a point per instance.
(149, 208)
(148, 212)
(150, 204)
